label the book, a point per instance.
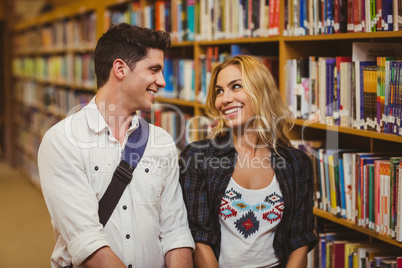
(331, 75)
(338, 254)
(394, 164)
(322, 88)
(348, 177)
(313, 104)
(398, 227)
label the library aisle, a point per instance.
(26, 234)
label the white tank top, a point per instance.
(248, 221)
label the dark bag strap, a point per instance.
(132, 154)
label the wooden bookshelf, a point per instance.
(284, 47)
(353, 226)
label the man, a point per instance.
(78, 156)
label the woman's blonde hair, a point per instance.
(271, 114)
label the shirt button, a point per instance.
(108, 132)
(130, 266)
(128, 236)
(146, 170)
(124, 207)
(96, 167)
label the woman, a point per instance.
(248, 192)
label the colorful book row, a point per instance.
(77, 69)
(339, 91)
(189, 20)
(314, 17)
(365, 188)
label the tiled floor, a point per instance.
(26, 234)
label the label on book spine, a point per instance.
(336, 26)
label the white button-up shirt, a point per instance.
(76, 161)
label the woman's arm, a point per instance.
(204, 256)
(302, 230)
(298, 258)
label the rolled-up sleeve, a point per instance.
(175, 232)
(71, 202)
(303, 229)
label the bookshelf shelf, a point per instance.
(56, 83)
(343, 36)
(67, 11)
(183, 44)
(109, 3)
(239, 41)
(353, 226)
(349, 130)
(54, 51)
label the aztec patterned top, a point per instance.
(248, 221)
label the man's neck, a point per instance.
(114, 114)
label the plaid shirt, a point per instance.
(206, 168)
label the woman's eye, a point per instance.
(219, 91)
(236, 86)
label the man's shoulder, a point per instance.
(161, 140)
(67, 126)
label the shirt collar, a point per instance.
(95, 120)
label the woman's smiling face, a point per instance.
(231, 101)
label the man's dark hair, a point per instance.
(127, 42)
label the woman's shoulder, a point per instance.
(291, 153)
(196, 147)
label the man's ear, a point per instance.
(120, 68)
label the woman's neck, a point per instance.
(247, 141)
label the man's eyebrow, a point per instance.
(230, 83)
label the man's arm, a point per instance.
(179, 257)
(174, 231)
(204, 257)
(103, 257)
(298, 258)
